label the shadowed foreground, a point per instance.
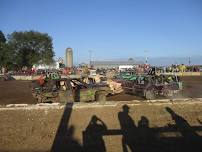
(142, 138)
(124, 127)
(135, 138)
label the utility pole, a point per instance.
(189, 61)
(90, 57)
(146, 58)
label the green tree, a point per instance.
(31, 47)
(6, 56)
(2, 37)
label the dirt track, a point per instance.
(12, 92)
(192, 86)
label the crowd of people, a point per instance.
(180, 68)
(143, 68)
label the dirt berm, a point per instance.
(112, 127)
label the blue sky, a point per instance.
(112, 29)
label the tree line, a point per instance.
(25, 48)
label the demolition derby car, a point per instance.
(68, 90)
(151, 86)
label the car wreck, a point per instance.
(152, 86)
(68, 90)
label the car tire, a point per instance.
(150, 94)
(100, 96)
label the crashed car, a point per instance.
(151, 86)
(69, 90)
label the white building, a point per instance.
(55, 65)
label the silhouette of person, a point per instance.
(143, 123)
(146, 138)
(67, 142)
(73, 145)
(181, 124)
(128, 128)
(93, 140)
(191, 141)
(64, 139)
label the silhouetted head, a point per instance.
(144, 119)
(144, 122)
(126, 108)
(94, 119)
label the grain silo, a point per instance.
(69, 57)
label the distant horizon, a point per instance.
(158, 61)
